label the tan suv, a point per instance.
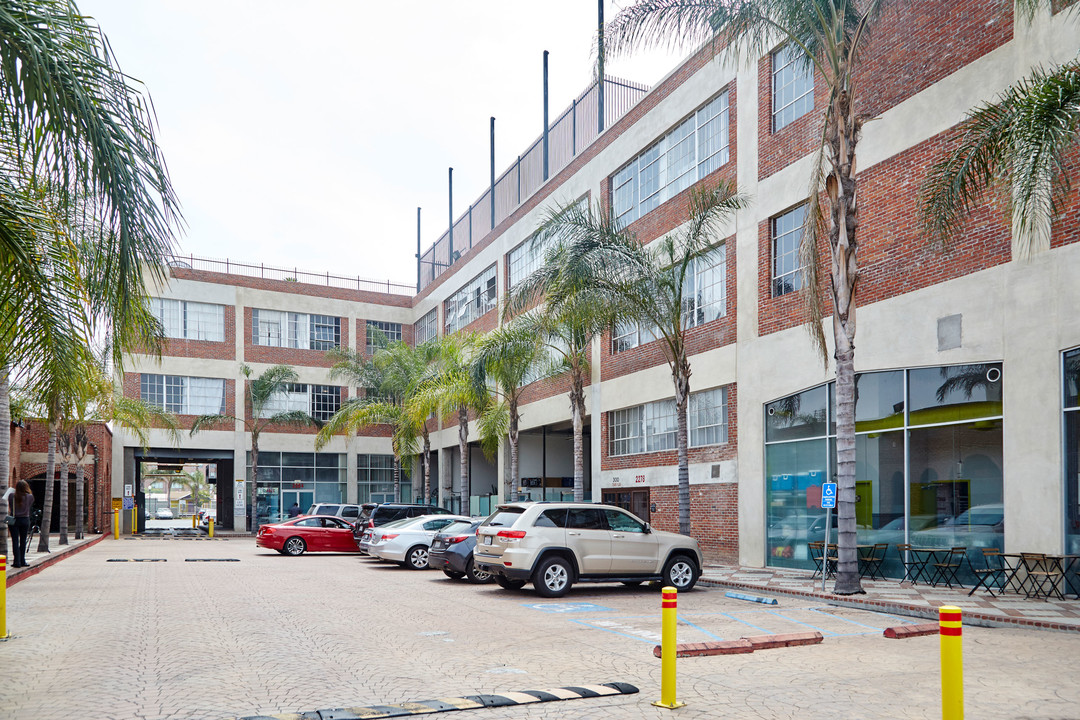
(554, 545)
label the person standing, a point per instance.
(294, 511)
(21, 505)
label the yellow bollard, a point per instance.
(211, 527)
(952, 663)
(3, 596)
(668, 622)
(116, 525)
(194, 521)
(134, 521)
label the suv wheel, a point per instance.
(552, 578)
(680, 572)
(416, 558)
(508, 584)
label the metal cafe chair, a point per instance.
(817, 554)
(871, 562)
(1044, 575)
(912, 566)
(949, 564)
(992, 573)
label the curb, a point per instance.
(466, 702)
(899, 632)
(971, 617)
(53, 558)
(744, 645)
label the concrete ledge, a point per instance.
(743, 645)
(899, 632)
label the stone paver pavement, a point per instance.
(270, 634)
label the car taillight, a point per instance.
(511, 534)
(388, 537)
(456, 539)
(370, 524)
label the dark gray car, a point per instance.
(452, 552)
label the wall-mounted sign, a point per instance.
(129, 491)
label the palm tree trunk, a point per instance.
(463, 462)
(5, 448)
(254, 481)
(79, 495)
(427, 466)
(397, 478)
(682, 397)
(63, 490)
(577, 411)
(512, 436)
(50, 472)
(842, 134)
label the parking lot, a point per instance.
(243, 631)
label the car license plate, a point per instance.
(487, 539)
(438, 543)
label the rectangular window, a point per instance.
(267, 327)
(325, 401)
(293, 398)
(787, 232)
(472, 301)
(391, 332)
(661, 426)
(689, 152)
(708, 417)
(427, 327)
(325, 332)
(792, 85)
(625, 431)
(190, 320)
(299, 331)
(705, 293)
(184, 395)
(531, 254)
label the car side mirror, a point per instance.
(648, 528)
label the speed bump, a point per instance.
(467, 702)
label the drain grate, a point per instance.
(137, 560)
(212, 560)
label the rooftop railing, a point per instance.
(573, 131)
(269, 272)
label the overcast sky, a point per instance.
(307, 134)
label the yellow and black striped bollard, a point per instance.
(952, 663)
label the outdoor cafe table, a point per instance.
(1018, 578)
(922, 562)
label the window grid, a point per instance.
(695, 148)
(787, 232)
(190, 320)
(392, 331)
(183, 395)
(706, 297)
(625, 336)
(708, 418)
(653, 427)
(325, 401)
(266, 327)
(325, 332)
(471, 302)
(427, 327)
(793, 86)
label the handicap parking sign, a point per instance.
(828, 495)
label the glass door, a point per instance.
(302, 498)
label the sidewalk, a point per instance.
(38, 561)
(1008, 610)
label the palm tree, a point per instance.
(654, 286)
(450, 389)
(832, 35)
(391, 380)
(1020, 141)
(572, 314)
(262, 392)
(508, 357)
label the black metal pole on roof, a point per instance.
(545, 115)
(493, 173)
(418, 250)
(573, 129)
(600, 67)
(450, 255)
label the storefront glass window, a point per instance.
(1071, 370)
(304, 478)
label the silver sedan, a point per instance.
(407, 542)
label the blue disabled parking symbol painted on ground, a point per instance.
(568, 607)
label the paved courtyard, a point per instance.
(269, 634)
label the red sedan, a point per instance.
(314, 533)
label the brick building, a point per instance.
(947, 339)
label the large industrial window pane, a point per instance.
(879, 401)
(955, 487)
(794, 473)
(1072, 483)
(798, 416)
(787, 232)
(955, 392)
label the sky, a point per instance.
(307, 134)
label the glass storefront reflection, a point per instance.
(1071, 407)
(949, 495)
(287, 477)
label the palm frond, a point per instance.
(212, 422)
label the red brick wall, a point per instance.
(777, 150)
(133, 388)
(714, 517)
(1065, 229)
(225, 350)
(707, 454)
(14, 452)
(286, 355)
